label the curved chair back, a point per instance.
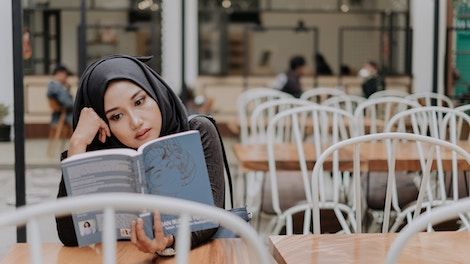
(438, 122)
(374, 114)
(320, 94)
(111, 202)
(388, 93)
(389, 139)
(427, 99)
(436, 216)
(326, 126)
(265, 112)
(345, 102)
(465, 109)
(247, 102)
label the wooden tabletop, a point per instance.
(437, 247)
(407, 157)
(216, 251)
(254, 157)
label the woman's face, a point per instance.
(134, 117)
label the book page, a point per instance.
(176, 167)
(100, 174)
(111, 173)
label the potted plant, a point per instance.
(4, 128)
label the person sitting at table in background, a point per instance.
(58, 89)
(289, 82)
(321, 65)
(372, 80)
(122, 102)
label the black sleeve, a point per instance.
(64, 224)
(215, 167)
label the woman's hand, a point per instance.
(143, 243)
(88, 126)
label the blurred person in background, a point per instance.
(372, 81)
(289, 82)
(58, 89)
(321, 65)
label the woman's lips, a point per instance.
(142, 133)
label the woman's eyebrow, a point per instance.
(134, 95)
(132, 98)
(110, 110)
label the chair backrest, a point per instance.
(460, 122)
(427, 99)
(345, 102)
(265, 112)
(320, 94)
(435, 121)
(436, 216)
(388, 93)
(247, 102)
(374, 114)
(320, 126)
(424, 199)
(111, 202)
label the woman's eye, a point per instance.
(115, 117)
(140, 101)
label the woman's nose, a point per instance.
(136, 121)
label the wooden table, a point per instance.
(438, 247)
(217, 251)
(254, 157)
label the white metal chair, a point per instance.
(460, 129)
(411, 212)
(426, 99)
(388, 93)
(320, 94)
(435, 121)
(345, 102)
(265, 112)
(327, 127)
(375, 113)
(258, 135)
(248, 101)
(110, 202)
(436, 216)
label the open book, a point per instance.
(172, 166)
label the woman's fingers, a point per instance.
(142, 242)
(102, 135)
(157, 227)
(141, 236)
(105, 127)
(133, 234)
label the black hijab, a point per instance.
(95, 80)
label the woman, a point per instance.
(121, 102)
